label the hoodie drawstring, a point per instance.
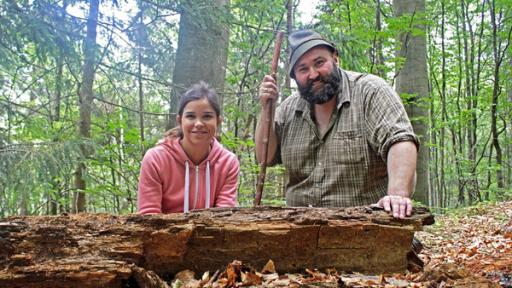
(186, 199)
(196, 194)
(207, 198)
(187, 190)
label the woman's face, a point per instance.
(198, 122)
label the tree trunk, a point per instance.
(457, 146)
(141, 103)
(471, 182)
(378, 56)
(497, 53)
(99, 250)
(141, 38)
(508, 131)
(54, 194)
(442, 188)
(54, 197)
(86, 97)
(413, 79)
(202, 49)
(290, 5)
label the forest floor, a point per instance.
(469, 247)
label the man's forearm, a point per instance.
(260, 138)
(402, 157)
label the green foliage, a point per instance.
(30, 172)
(40, 76)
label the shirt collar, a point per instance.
(344, 94)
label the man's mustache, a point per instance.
(317, 79)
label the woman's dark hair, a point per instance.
(200, 91)
(197, 91)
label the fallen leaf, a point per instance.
(269, 267)
(250, 279)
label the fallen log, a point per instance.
(102, 250)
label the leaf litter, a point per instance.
(471, 247)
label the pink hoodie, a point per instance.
(170, 182)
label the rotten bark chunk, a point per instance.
(98, 250)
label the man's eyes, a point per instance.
(319, 63)
(303, 69)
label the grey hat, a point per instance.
(301, 41)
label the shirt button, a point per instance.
(319, 163)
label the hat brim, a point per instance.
(303, 48)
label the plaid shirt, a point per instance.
(347, 165)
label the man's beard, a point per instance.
(329, 89)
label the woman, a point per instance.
(189, 169)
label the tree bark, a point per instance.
(98, 250)
(442, 187)
(498, 58)
(456, 131)
(202, 49)
(290, 5)
(413, 79)
(377, 55)
(508, 130)
(471, 182)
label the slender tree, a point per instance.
(468, 37)
(86, 97)
(508, 130)
(377, 55)
(442, 187)
(456, 130)
(56, 194)
(289, 28)
(499, 50)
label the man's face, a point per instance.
(316, 75)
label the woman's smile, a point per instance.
(199, 124)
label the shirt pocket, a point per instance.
(348, 148)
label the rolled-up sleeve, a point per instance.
(386, 119)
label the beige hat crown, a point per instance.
(301, 41)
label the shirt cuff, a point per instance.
(395, 139)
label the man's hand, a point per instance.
(402, 177)
(399, 206)
(268, 90)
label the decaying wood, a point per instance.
(101, 250)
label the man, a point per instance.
(345, 139)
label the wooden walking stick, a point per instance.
(268, 123)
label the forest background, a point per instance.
(86, 87)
